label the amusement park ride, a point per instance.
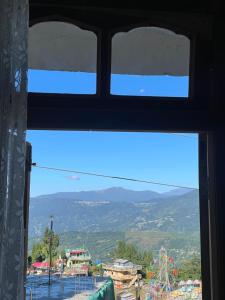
(166, 287)
(165, 278)
(163, 275)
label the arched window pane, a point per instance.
(62, 59)
(150, 61)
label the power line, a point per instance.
(113, 177)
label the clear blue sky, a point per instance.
(85, 83)
(161, 157)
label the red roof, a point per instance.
(41, 264)
(80, 251)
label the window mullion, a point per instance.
(104, 63)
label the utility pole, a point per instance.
(50, 250)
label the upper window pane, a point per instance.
(62, 59)
(150, 61)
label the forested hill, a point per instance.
(117, 210)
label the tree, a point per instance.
(49, 235)
(190, 269)
(29, 261)
(130, 252)
(40, 250)
(63, 254)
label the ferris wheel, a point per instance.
(163, 274)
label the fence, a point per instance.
(62, 287)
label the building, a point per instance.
(202, 111)
(41, 267)
(123, 272)
(78, 261)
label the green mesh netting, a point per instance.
(106, 292)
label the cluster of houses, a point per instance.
(77, 262)
(126, 276)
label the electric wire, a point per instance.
(113, 177)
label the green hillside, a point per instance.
(98, 219)
(178, 214)
(101, 244)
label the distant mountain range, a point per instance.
(116, 210)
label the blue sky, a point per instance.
(161, 157)
(85, 83)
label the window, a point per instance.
(150, 61)
(62, 59)
(138, 220)
(136, 71)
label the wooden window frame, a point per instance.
(107, 112)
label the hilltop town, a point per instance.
(152, 252)
(144, 275)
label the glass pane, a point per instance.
(150, 61)
(62, 59)
(139, 226)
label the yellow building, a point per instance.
(123, 272)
